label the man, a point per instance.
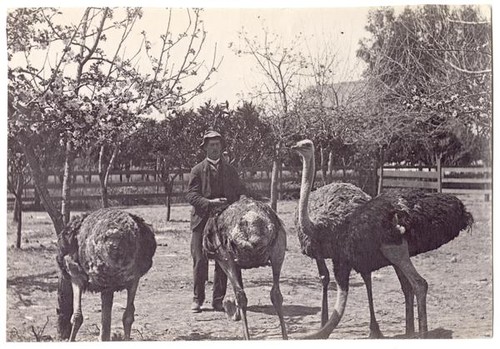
(213, 182)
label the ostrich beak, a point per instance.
(294, 147)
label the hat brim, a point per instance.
(209, 138)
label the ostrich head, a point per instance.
(305, 148)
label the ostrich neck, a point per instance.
(305, 190)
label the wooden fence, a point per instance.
(145, 185)
(453, 180)
(139, 186)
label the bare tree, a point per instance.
(282, 66)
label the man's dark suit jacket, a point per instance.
(199, 190)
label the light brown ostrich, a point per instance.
(248, 234)
(105, 251)
(366, 235)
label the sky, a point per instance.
(238, 76)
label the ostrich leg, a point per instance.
(409, 298)
(341, 273)
(77, 317)
(277, 257)
(128, 314)
(106, 308)
(399, 256)
(233, 273)
(374, 328)
(324, 276)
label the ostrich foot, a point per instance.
(375, 334)
(413, 335)
(232, 311)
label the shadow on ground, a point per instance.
(24, 286)
(437, 333)
(288, 310)
(46, 282)
(311, 283)
(195, 336)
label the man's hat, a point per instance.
(210, 135)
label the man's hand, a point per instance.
(218, 201)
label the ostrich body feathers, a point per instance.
(244, 232)
(429, 220)
(106, 249)
(328, 208)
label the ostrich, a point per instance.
(105, 251)
(366, 235)
(247, 234)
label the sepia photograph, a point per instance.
(182, 172)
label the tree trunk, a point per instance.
(102, 179)
(104, 194)
(168, 198)
(39, 179)
(64, 306)
(274, 184)
(439, 173)
(280, 182)
(330, 166)
(66, 184)
(19, 225)
(18, 196)
(37, 204)
(16, 207)
(104, 174)
(323, 164)
(168, 183)
(19, 208)
(381, 175)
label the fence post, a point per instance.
(486, 175)
(439, 174)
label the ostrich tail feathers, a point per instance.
(431, 219)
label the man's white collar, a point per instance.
(214, 162)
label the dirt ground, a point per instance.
(459, 301)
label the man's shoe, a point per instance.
(196, 307)
(217, 306)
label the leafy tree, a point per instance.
(89, 93)
(432, 65)
(249, 138)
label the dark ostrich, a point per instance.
(105, 251)
(366, 235)
(247, 234)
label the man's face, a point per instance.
(213, 148)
